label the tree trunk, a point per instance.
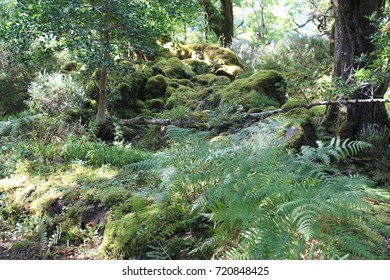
(101, 114)
(220, 22)
(352, 38)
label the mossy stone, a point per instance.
(211, 54)
(198, 66)
(262, 89)
(173, 68)
(156, 104)
(204, 79)
(230, 71)
(183, 82)
(293, 103)
(185, 96)
(155, 87)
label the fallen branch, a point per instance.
(193, 123)
(160, 122)
(318, 103)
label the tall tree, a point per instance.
(220, 21)
(353, 31)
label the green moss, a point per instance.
(221, 81)
(301, 113)
(219, 55)
(155, 87)
(131, 236)
(173, 68)
(182, 82)
(293, 103)
(230, 71)
(204, 79)
(318, 111)
(156, 104)
(262, 89)
(184, 96)
(197, 66)
(83, 115)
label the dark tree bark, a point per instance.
(352, 38)
(220, 22)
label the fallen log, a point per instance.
(253, 116)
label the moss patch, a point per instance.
(155, 87)
(198, 66)
(230, 71)
(262, 89)
(184, 96)
(173, 68)
(211, 54)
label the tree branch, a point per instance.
(319, 103)
(262, 115)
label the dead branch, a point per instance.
(193, 124)
(318, 103)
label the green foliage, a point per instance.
(260, 90)
(305, 54)
(55, 93)
(266, 203)
(13, 84)
(98, 153)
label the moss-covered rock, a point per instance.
(155, 104)
(181, 82)
(302, 131)
(230, 71)
(204, 79)
(198, 66)
(185, 96)
(173, 68)
(155, 87)
(293, 103)
(211, 54)
(262, 89)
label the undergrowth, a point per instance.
(265, 203)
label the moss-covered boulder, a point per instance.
(211, 79)
(173, 68)
(204, 79)
(230, 71)
(180, 82)
(198, 66)
(155, 104)
(301, 131)
(211, 54)
(155, 87)
(184, 96)
(260, 90)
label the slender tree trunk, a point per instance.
(101, 114)
(352, 38)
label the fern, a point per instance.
(264, 203)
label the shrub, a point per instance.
(55, 93)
